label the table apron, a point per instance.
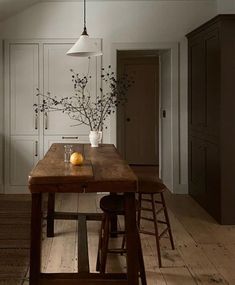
(86, 187)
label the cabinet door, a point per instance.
(66, 139)
(197, 169)
(213, 183)
(204, 174)
(58, 81)
(212, 82)
(23, 81)
(23, 157)
(197, 98)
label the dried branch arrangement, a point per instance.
(84, 108)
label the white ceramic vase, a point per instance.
(95, 138)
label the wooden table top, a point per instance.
(103, 171)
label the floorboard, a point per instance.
(205, 250)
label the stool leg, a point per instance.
(156, 230)
(141, 262)
(167, 221)
(123, 243)
(100, 244)
(139, 210)
(105, 243)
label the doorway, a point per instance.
(172, 140)
(138, 119)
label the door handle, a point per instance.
(70, 138)
(46, 120)
(36, 148)
(128, 119)
(36, 122)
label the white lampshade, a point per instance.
(85, 47)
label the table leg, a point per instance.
(50, 214)
(113, 223)
(35, 248)
(131, 240)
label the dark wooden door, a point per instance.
(138, 121)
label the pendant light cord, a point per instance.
(84, 19)
(84, 11)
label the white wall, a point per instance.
(120, 22)
(166, 170)
(183, 115)
(225, 6)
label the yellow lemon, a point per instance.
(76, 158)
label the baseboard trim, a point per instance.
(180, 189)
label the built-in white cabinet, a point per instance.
(57, 79)
(24, 153)
(24, 79)
(39, 64)
(21, 123)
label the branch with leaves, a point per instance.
(82, 107)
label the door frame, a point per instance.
(175, 186)
(1, 118)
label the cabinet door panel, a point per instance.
(23, 157)
(212, 82)
(197, 98)
(23, 83)
(213, 180)
(58, 81)
(197, 169)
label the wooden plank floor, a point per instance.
(14, 238)
(205, 251)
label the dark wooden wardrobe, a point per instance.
(211, 106)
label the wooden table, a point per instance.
(103, 171)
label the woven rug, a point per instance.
(14, 239)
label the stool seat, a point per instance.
(112, 204)
(148, 180)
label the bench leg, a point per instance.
(35, 248)
(50, 214)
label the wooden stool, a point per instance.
(150, 185)
(114, 205)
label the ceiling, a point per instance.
(11, 7)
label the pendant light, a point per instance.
(84, 46)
